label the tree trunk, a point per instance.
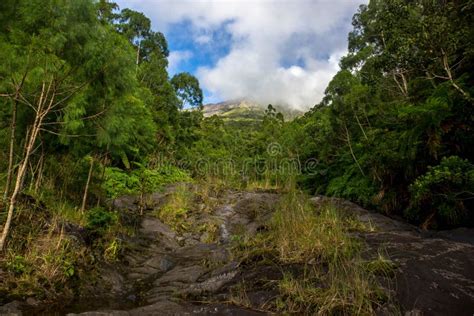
(348, 138)
(19, 179)
(41, 112)
(89, 176)
(11, 152)
(447, 69)
(138, 56)
(40, 169)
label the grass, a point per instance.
(46, 262)
(336, 280)
(39, 262)
(381, 265)
(175, 212)
(184, 202)
(333, 277)
(302, 234)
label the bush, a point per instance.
(352, 186)
(99, 220)
(443, 193)
(141, 180)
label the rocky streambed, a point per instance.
(163, 272)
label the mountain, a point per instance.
(243, 110)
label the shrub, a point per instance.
(141, 180)
(99, 220)
(353, 186)
(443, 193)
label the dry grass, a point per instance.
(336, 280)
(40, 263)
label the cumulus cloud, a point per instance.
(176, 58)
(281, 51)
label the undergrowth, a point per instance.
(53, 257)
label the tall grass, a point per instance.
(176, 209)
(40, 261)
(336, 279)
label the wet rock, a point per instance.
(212, 284)
(210, 252)
(103, 313)
(222, 309)
(161, 262)
(156, 230)
(462, 234)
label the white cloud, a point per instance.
(203, 39)
(282, 51)
(176, 58)
(263, 82)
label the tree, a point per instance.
(71, 77)
(187, 89)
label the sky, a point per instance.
(282, 52)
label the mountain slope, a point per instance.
(242, 110)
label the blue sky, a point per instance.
(202, 54)
(271, 51)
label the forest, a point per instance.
(89, 115)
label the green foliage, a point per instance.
(446, 190)
(188, 90)
(401, 102)
(18, 265)
(141, 180)
(353, 187)
(118, 182)
(99, 220)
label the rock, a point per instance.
(161, 262)
(181, 274)
(11, 309)
(32, 301)
(127, 202)
(153, 228)
(102, 313)
(435, 275)
(163, 274)
(164, 307)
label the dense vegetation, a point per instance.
(395, 128)
(88, 113)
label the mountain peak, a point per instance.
(242, 107)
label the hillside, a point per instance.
(245, 111)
